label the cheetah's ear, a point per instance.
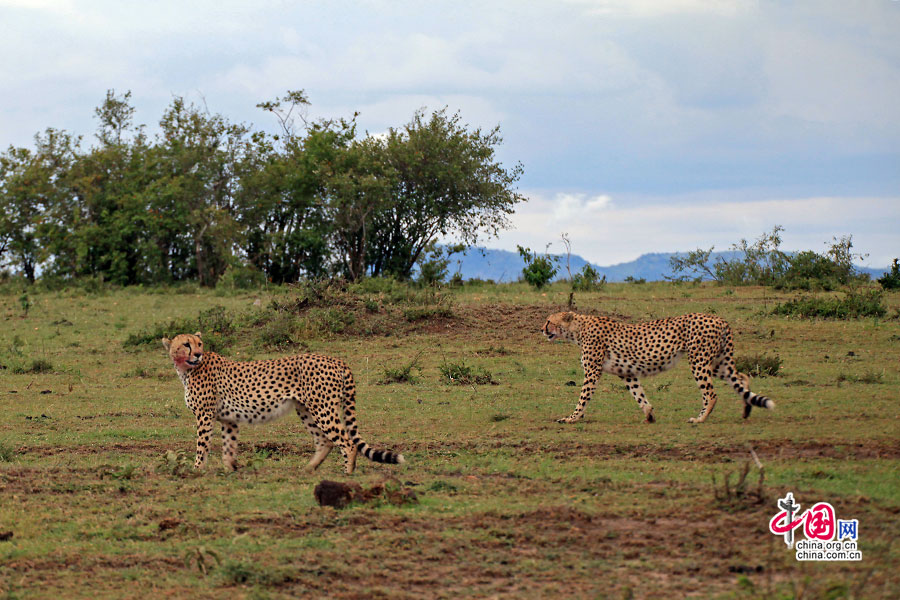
(197, 333)
(567, 317)
(166, 343)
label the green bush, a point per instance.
(587, 280)
(539, 270)
(852, 305)
(278, 332)
(463, 374)
(891, 280)
(217, 326)
(811, 271)
(758, 365)
(403, 373)
(238, 277)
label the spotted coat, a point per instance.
(319, 388)
(631, 351)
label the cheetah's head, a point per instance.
(560, 325)
(185, 350)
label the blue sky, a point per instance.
(643, 125)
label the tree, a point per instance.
(202, 160)
(35, 199)
(444, 179)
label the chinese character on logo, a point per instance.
(819, 522)
(848, 529)
(784, 523)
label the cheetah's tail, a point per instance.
(380, 456)
(741, 384)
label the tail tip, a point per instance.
(769, 404)
(400, 459)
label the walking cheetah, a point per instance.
(319, 388)
(644, 349)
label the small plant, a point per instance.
(499, 417)
(7, 453)
(119, 473)
(25, 303)
(539, 270)
(867, 377)
(891, 280)
(202, 558)
(38, 365)
(402, 374)
(740, 495)
(463, 374)
(176, 464)
(758, 365)
(443, 486)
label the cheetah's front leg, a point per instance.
(587, 391)
(229, 445)
(204, 431)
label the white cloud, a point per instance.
(577, 206)
(658, 8)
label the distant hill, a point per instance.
(505, 266)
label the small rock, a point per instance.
(571, 383)
(5, 535)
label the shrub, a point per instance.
(758, 365)
(332, 320)
(38, 365)
(867, 377)
(427, 312)
(588, 279)
(809, 271)
(238, 277)
(891, 280)
(852, 305)
(278, 332)
(631, 279)
(539, 270)
(463, 374)
(217, 326)
(402, 374)
(7, 453)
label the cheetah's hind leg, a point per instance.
(323, 444)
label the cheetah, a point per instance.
(320, 388)
(649, 348)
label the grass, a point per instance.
(96, 457)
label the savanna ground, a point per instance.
(511, 504)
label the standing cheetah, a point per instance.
(319, 388)
(644, 349)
